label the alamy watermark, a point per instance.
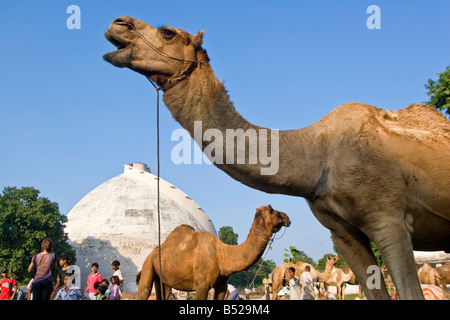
(235, 146)
(374, 20)
(74, 20)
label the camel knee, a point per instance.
(144, 294)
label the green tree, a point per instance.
(227, 235)
(439, 92)
(293, 255)
(25, 220)
(244, 278)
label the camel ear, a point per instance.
(197, 40)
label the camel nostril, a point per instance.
(123, 21)
(118, 20)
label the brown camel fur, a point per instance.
(280, 275)
(429, 275)
(339, 278)
(367, 174)
(444, 273)
(194, 260)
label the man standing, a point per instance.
(307, 284)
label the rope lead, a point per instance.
(157, 187)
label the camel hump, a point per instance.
(183, 231)
(418, 119)
(184, 228)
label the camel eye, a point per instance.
(168, 33)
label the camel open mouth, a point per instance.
(120, 57)
(118, 42)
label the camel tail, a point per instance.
(138, 277)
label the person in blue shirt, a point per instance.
(69, 292)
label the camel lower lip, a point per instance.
(119, 58)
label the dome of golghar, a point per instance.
(118, 220)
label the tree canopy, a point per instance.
(293, 255)
(227, 235)
(439, 92)
(25, 220)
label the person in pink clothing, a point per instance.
(94, 277)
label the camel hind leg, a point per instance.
(146, 277)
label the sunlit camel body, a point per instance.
(366, 173)
(429, 275)
(198, 261)
(339, 278)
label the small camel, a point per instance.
(339, 278)
(280, 275)
(429, 275)
(444, 273)
(197, 260)
(367, 174)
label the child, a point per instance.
(61, 273)
(69, 293)
(102, 292)
(6, 285)
(104, 282)
(114, 291)
(115, 266)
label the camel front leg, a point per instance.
(167, 292)
(355, 247)
(201, 292)
(342, 291)
(276, 286)
(397, 252)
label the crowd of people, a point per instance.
(41, 286)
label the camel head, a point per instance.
(158, 53)
(333, 260)
(270, 220)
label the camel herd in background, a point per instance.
(333, 276)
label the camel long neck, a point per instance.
(327, 273)
(236, 258)
(286, 162)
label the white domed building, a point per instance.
(118, 220)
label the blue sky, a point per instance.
(69, 120)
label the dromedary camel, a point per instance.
(444, 273)
(429, 275)
(280, 275)
(339, 278)
(195, 260)
(366, 173)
